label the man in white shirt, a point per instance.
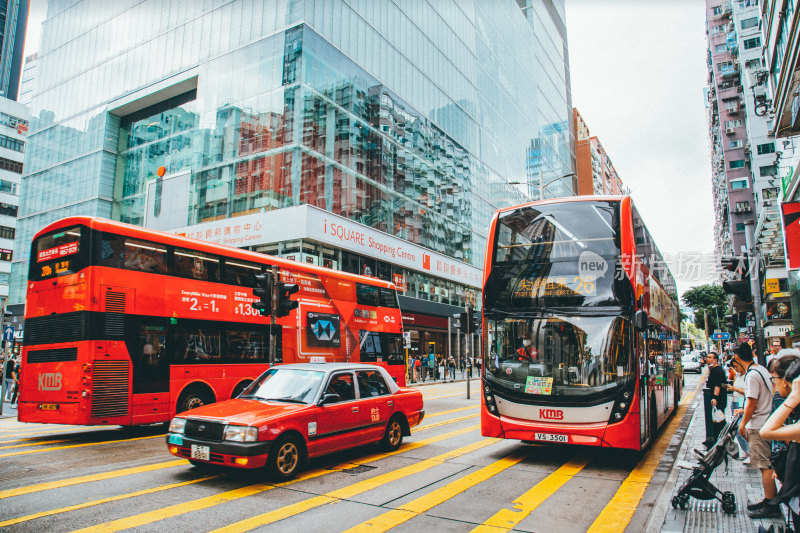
(757, 408)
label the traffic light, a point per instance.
(463, 319)
(264, 292)
(285, 304)
(740, 286)
(474, 320)
(456, 321)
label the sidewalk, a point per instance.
(707, 515)
(8, 411)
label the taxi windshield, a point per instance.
(289, 385)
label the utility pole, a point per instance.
(3, 355)
(755, 289)
(708, 338)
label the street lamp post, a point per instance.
(543, 185)
(716, 330)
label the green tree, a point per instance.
(704, 298)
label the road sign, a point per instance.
(8, 333)
(406, 339)
(724, 336)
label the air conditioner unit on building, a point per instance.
(729, 131)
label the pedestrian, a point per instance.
(478, 365)
(17, 384)
(469, 367)
(463, 364)
(417, 365)
(783, 428)
(719, 396)
(424, 367)
(8, 381)
(451, 365)
(774, 349)
(737, 389)
(757, 409)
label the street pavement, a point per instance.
(707, 515)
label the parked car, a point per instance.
(293, 412)
(690, 363)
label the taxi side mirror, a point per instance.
(329, 398)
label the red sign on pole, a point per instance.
(790, 212)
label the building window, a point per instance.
(735, 144)
(738, 184)
(741, 206)
(12, 144)
(767, 148)
(768, 170)
(6, 232)
(753, 63)
(716, 30)
(740, 226)
(716, 10)
(13, 166)
(736, 163)
(721, 48)
(6, 255)
(749, 44)
(8, 209)
(733, 123)
(722, 65)
(749, 23)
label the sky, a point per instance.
(638, 72)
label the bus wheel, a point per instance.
(285, 458)
(192, 399)
(237, 390)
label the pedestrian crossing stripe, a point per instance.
(416, 507)
(210, 501)
(351, 490)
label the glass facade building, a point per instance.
(403, 116)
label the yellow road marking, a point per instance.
(618, 513)
(87, 479)
(443, 422)
(82, 445)
(506, 519)
(441, 413)
(210, 501)
(351, 490)
(33, 443)
(102, 500)
(409, 510)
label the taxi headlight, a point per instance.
(177, 425)
(241, 433)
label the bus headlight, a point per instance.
(177, 425)
(241, 433)
(621, 405)
(87, 367)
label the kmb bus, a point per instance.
(580, 317)
(126, 325)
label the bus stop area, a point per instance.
(708, 515)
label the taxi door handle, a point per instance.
(355, 409)
(390, 403)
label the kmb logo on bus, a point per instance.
(51, 381)
(552, 414)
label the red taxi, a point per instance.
(293, 412)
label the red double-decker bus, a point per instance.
(127, 326)
(580, 326)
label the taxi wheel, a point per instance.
(285, 458)
(393, 437)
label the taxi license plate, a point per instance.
(49, 407)
(201, 452)
(551, 437)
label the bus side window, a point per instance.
(241, 273)
(144, 256)
(110, 250)
(366, 294)
(196, 265)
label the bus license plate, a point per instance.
(552, 437)
(201, 452)
(49, 407)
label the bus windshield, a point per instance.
(558, 255)
(553, 355)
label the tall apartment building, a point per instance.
(595, 172)
(13, 23)
(744, 149)
(13, 130)
(775, 91)
(399, 118)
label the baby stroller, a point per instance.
(698, 485)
